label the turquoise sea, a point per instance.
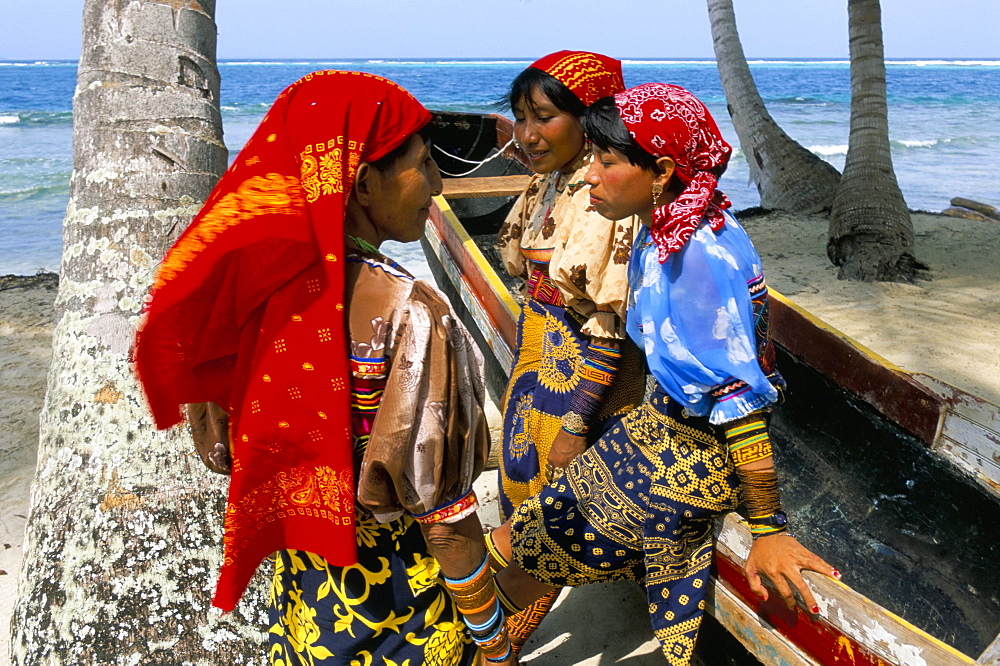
(944, 125)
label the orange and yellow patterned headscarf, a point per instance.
(589, 76)
(247, 311)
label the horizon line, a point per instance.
(841, 58)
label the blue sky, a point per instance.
(50, 29)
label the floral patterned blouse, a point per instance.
(418, 370)
(588, 254)
(702, 318)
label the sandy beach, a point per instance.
(944, 326)
(26, 322)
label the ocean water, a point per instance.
(944, 122)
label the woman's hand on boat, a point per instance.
(565, 447)
(782, 558)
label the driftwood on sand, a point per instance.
(972, 210)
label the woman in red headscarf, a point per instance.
(351, 459)
(572, 349)
(641, 502)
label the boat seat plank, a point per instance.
(490, 186)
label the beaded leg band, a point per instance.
(498, 563)
(521, 625)
(521, 622)
(475, 594)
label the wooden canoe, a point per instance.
(892, 477)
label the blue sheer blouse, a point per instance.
(701, 317)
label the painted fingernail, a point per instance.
(836, 574)
(815, 610)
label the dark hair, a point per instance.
(532, 79)
(605, 129)
(386, 163)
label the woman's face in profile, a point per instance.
(619, 188)
(401, 199)
(550, 137)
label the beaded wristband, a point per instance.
(760, 495)
(758, 530)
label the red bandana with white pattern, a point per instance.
(668, 121)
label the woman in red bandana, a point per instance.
(351, 460)
(641, 502)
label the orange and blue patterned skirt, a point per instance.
(550, 350)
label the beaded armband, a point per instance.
(477, 593)
(597, 372)
(748, 441)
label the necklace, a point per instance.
(362, 244)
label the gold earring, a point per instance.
(657, 191)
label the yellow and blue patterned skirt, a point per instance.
(639, 504)
(550, 349)
(390, 608)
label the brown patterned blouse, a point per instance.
(428, 441)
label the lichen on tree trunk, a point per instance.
(123, 541)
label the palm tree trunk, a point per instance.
(788, 177)
(123, 537)
(871, 235)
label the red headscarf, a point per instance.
(589, 76)
(668, 121)
(247, 311)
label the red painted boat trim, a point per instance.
(473, 275)
(822, 642)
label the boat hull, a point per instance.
(944, 434)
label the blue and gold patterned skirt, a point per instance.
(389, 608)
(550, 348)
(639, 504)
